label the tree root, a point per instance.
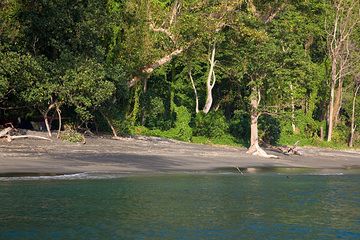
(256, 150)
(5, 132)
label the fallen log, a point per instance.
(5, 133)
(11, 138)
(286, 150)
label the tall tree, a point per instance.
(346, 19)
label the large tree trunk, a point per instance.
(338, 101)
(332, 100)
(195, 92)
(255, 148)
(210, 83)
(353, 126)
(147, 70)
(347, 18)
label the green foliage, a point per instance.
(80, 55)
(155, 117)
(71, 135)
(269, 129)
(211, 125)
(182, 131)
(239, 126)
(85, 87)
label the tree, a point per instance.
(347, 17)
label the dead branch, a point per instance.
(11, 138)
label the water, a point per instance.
(183, 206)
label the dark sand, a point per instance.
(151, 155)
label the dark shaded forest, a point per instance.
(208, 71)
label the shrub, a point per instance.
(269, 129)
(212, 125)
(182, 131)
(240, 126)
(71, 135)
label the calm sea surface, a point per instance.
(183, 206)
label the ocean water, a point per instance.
(182, 206)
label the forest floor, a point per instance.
(151, 155)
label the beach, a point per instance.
(151, 155)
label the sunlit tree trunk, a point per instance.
(60, 122)
(353, 126)
(210, 83)
(195, 93)
(292, 109)
(347, 18)
(255, 148)
(46, 118)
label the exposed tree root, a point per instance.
(256, 150)
(5, 132)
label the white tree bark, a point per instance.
(147, 70)
(346, 19)
(255, 148)
(353, 126)
(195, 92)
(46, 120)
(292, 109)
(60, 122)
(210, 83)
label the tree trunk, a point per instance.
(143, 109)
(151, 67)
(338, 101)
(353, 126)
(332, 99)
(292, 109)
(210, 84)
(45, 115)
(115, 136)
(195, 92)
(254, 148)
(59, 116)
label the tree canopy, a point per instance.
(195, 70)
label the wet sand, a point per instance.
(151, 155)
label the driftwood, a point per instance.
(286, 149)
(10, 138)
(6, 133)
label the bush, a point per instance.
(182, 131)
(212, 125)
(155, 116)
(71, 135)
(269, 129)
(240, 126)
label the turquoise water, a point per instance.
(204, 206)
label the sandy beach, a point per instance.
(150, 155)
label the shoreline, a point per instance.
(153, 155)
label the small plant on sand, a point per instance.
(71, 135)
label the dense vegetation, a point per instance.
(230, 72)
